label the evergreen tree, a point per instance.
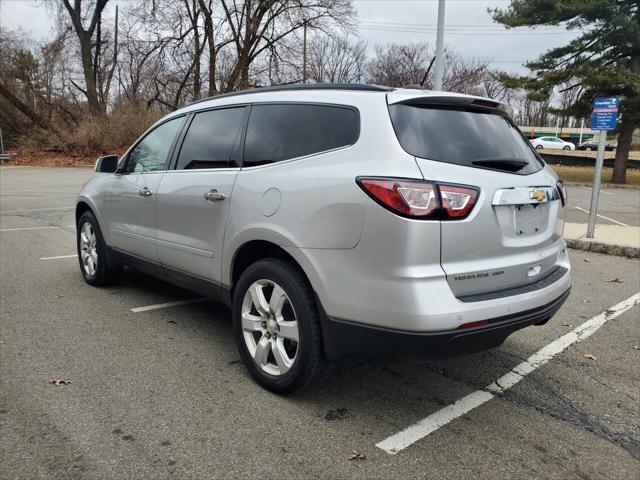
(603, 61)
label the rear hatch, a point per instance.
(513, 235)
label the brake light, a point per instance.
(421, 199)
(407, 198)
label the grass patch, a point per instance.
(585, 174)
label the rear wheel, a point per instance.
(276, 326)
(539, 147)
(566, 148)
(588, 149)
(92, 252)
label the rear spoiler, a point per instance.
(422, 97)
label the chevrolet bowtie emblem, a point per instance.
(539, 195)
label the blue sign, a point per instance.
(605, 113)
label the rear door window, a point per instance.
(277, 132)
(210, 139)
(463, 136)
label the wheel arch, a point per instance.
(255, 250)
(81, 207)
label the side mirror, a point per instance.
(108, 164)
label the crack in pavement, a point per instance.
(569, 412)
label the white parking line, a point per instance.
(433, 422)
(601, 191)
(602, 216)
(167, 305)
(25, 228)
(58, 257)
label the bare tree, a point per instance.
(336, 59)
(87, 49)
(399, 65)
(258, 26)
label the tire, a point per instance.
(287, 365)
(539, 147)
(566, 148)
(97, 269)
(588, 149)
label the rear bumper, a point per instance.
(350, 339)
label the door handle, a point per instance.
(214, 196)
(145, 192)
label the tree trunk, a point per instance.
(622, 151)
(90, 81)
(213, 90)
(26, 110)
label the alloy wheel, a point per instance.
(88, 249)
(270, 327)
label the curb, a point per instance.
(597, 247)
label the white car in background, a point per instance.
(552, 143)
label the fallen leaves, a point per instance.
(566, 325)
(357, 456)
(60, 381)
(591, 356)
(615, 280)
(586, 260)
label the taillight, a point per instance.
(407, 198)
(421, 199)
(563, 192)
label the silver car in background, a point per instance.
(338, 220)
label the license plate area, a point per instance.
(529, 219)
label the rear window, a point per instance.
(279, 132)
(463, 136)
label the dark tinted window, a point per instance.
(210, 139)
(151, 152)
(279, 132)
(474, 138)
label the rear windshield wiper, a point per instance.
(502, 164)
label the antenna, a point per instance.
(424, 79)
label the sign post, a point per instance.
(603, 118)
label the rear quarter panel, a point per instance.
(313, 202)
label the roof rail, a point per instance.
(300, 86)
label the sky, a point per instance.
(469, 28)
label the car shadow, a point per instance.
(354, 388)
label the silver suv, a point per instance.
(338, 220)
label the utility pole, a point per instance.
(581, 129)
(304, 51)
(439, 68)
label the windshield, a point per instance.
(464, 136)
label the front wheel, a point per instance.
(539, 147)
(276, 326)
(92, 252)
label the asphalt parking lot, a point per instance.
(616, 206)
(161, 392)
